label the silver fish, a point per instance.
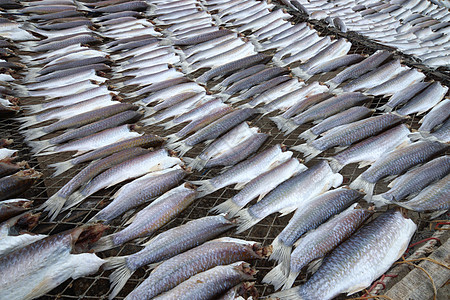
(395, 162)
(357, 262)
(47, 263)
(151, 218)
(403, 95)
(139, 191)
(425, 100)
(436, 116)
(317, 243)
(402, 80)
(348, 134)
(246, 170)
(181, 267)
(260, 186)
(293, 193)
(211, 283)
(310, 217)
(415, 180)
(164, 246)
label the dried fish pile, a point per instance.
(418, 28)
(100, 79)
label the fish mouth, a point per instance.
(85, 236)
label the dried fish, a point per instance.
(436, 116)
(425, 100)
(49, 262)
(357, 262)
(13, 207)
(164, 246)
(404, 95)
(16, 184)
(291, 194)
(7, 167)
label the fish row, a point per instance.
(418, 28)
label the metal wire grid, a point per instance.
(97, 286)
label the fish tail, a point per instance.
(275, 277)
(246, 221)
(120, 276)
(235, 99)
(205, 187)
(289, 282)
(181, 147)
(149, 121)
(61, 167)
(285, 125)
(362, 184)
(74, 199)
(34, 108)
(165, 42)
(27, 121)
(172, 138)
(197, 164)
(307, 135)
(104, 243)
(415, 136)
(309, 152)
(379, 200)
(228, 207)
(282, 254)
(34, 133)
(385, 108)
(335, 165)
(53, 205)
(168, 125)
(49, 151)
(39, 146)
(290, 294)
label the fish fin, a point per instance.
(275, 277)
(39, 146)
(307, 135)
(49, 151)
(356, 288)
(363, 164)
(261, 196)
(168, 124)
(279, 121)
(104, 243)
(74, 199)
(245, 221)
(154, 265)
(334, 164)
(415, 136)
(436, 214)
(53, 205)
(235, 99)
(379, 201)
(314, 265)
(61, 167)
(367, 187)
(309, 152)
(390, 178)
(290, 294)
(120, 276)
(385, 108)
(34, 108)
(339, 149)
(228, 207)
(172, 138)
(27, 121)
(149, 121)
(205, 187)
(287, 210)
(34, 133)
(149, 241)
(282, 254)
(130, 220)
(181, 147)
(196, 163)
(240, 185)
(289, 282)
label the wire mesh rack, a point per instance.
(97, 285)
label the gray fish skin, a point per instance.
(443, 133)
(370, 150)
(310, 217)
(335, 63)
(211, 283)
(82, 38)
(55, 203)
(239, 75)
(436, 116)
(425, 100)
(151, 218)
(146, 141)
(303, 105)
(164, 246)
(113, 121)
(49, 262)
(261, 88)
(317, 243)
(357, 70)
(404, 79)
(360, 260)
(294, 193)
(434, 198)
(260, 186)
(350, 115)
(240, 152)
(131, 5)
(374, 78)
(233, 66)
(415, 180)
(181, 267)
(196, 113)
(201, 38)
(323, 110)
(13, 207)
(214, 129)
(348, 134)
(396, 162)
(246, 170)
(404, 95)
(139, 191)
(173, 100)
